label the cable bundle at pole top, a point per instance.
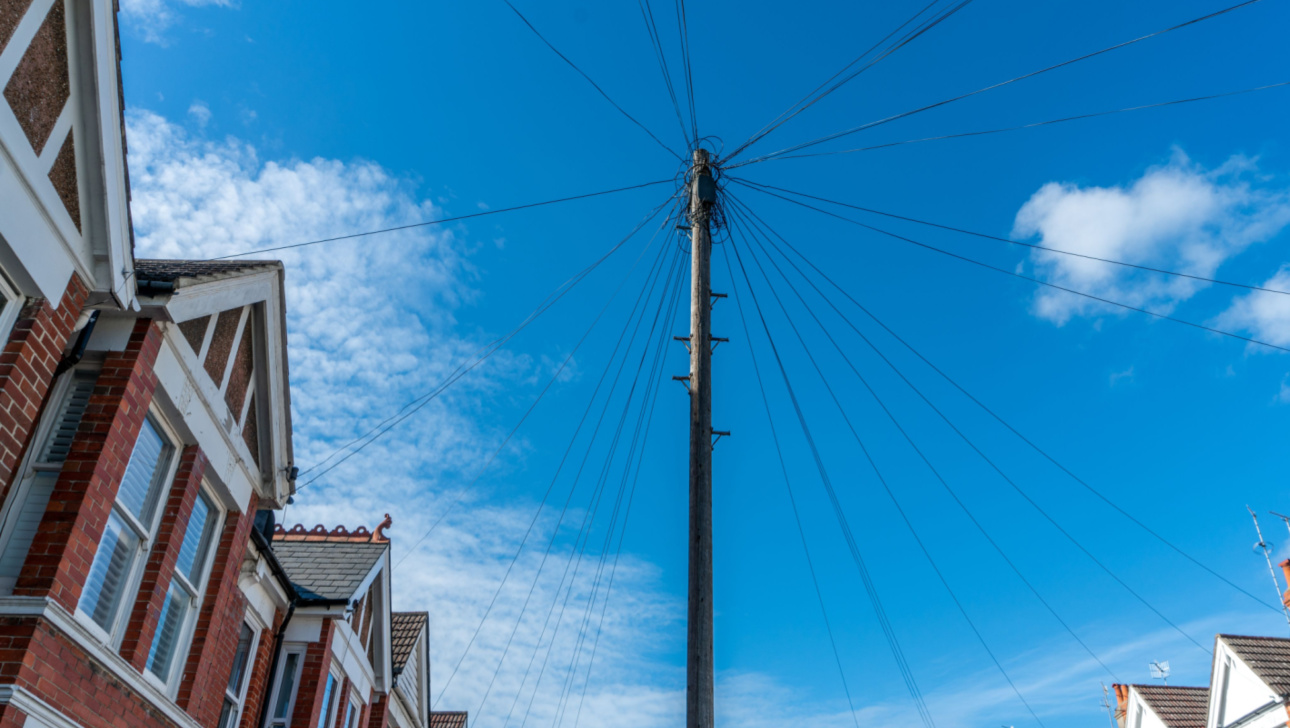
(791, 308)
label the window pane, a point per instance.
(102, 595)
(325, 719)
(162, 655)
(282, 704)
(240, 660)
(138, 489)
(228, 714)
(197, 539)
(349, 716)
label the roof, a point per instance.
(1178, 707)
(327, 570)
(173, 270)
(448, 719)
(405, 628)
(1268, 657)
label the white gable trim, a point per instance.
(1243, 698)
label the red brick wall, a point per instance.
(313, 679)
(27, 365)
(157, 573)
(39, 658)
(378, 713)
(214, 645)
(63, 550)
(251, 712)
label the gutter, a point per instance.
(153, 287)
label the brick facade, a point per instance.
(163, 556)
(39, 658)
(214, 645)
(61, 554)
(27, 366)
(313, 679)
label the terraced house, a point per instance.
(145, 440)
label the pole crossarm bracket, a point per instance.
(683, 380)
(715, 297)
(717, 340)
(719, 434)
(683, 339)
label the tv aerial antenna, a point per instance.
(1106, 704)
(1266, 546)
(1160, 670)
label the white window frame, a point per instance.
(197, 594)
(147, 534)
(238, 699)
(11, 303)
(285, 721)
(27, 470)
(353, 702)
(329, 714)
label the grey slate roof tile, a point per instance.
(327, 569)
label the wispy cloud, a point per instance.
(371, 326)
(1177, 216)
(152, 18)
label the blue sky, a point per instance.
(262, 124)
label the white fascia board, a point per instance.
(190, 399)
(120, 240)
(264, 593)
(399, 713)
(1149, 717)
(348, 650)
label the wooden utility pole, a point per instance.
(699, 660)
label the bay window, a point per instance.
(183, 597)
(131, 527)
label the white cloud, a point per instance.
(1177, 216)
(1266, 316)
(373, 323)
(200, 113)
(151, 18)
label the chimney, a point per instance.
(1285, 569)
(1121, 703)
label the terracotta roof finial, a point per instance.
(378, 536)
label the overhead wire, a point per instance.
(938, 104)
(906, 40)
(594, 85)
(904, 433)
(1013, 484)
(801, 532)
(510, 567)
(466, 366)
(1033, 246)
(871, 590)
(651, 381)
(683, 26)
(877, 472)
(647, 12)
(441, 221)
(764, 130)
(994, 415)
(1036, 124)
(461, 494)
(1032, 279)
(646, 288)
(647, 417)
(585, 533)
